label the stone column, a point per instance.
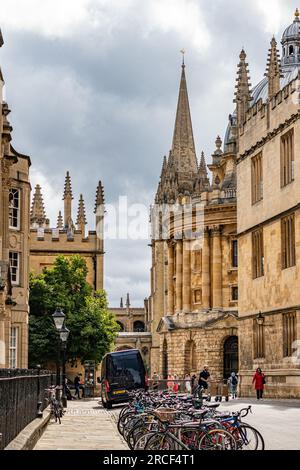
(171, 279)
(217, 268)
(206, 270)
(186, 277)
(178, 275)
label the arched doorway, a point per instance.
(165, 360)
(231, 356)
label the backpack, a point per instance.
(234, 380)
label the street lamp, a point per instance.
(64, 334)
(59, 322)
(59, 318)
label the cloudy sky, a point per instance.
(93, 88)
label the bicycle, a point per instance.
(56, 409)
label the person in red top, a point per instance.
(259, 382)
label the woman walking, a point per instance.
(259, 383)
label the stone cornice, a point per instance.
(269, 137)
(269, 221)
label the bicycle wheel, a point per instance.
(160, 441)
(217, 439)
(248, 438)
(142, 441)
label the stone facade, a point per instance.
(14, 245)
(65, 238)
(270, 303)
(193, 301)
(133, 329)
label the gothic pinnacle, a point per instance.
(60, 220)
(81, 217)
(100, 201)
(243, 93)
(37, 213)
(273, 72)
(68, 187)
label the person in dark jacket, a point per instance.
(77, 386)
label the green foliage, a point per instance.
(92, 328)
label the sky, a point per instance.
(93, 88)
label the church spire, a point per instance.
(242, 94)
(183, 148)
(81, 217)
(273, 72)
(67, 198)
(37, 213)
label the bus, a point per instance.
(121, 372)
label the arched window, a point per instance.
(190, 359)
(121, 326)
(138, 326)
(291, 50)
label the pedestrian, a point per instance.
(259, 381)
(193, 382)
(176, 384)
(170, 382)
(77, 386)
(204, 378)
(187, 384)
(232, 383)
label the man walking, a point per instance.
(204, 378)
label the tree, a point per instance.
(92, 328)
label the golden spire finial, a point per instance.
(297, 13)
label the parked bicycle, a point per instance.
(56, 408)
(168, 421)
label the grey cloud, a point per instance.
(103, 106)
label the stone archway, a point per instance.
(230, 356)
(190, 359)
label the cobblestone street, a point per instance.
(85, 426)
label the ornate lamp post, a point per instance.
(64, 334)
(59, 322)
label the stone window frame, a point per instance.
(234, 256)
(15, 209)
(257, 178)
(289, 333)
(14, 262)
(258, 256)
(13, 347)
(232, 289)
(287, 158)
(259, 343)
(288, 243)
(197, 289)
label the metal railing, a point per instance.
(22, 395)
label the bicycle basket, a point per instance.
(166, 415)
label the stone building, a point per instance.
(193, 302)
(268, 175)
(14, 245)
(66, 238)
(133, 329)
